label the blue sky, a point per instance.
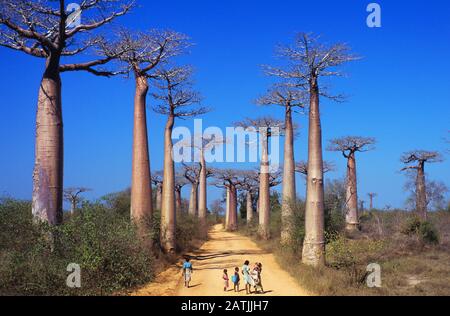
(399, 92)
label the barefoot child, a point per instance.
(226, 279)
(235, 279)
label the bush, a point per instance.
(424, 230)
(101, 241)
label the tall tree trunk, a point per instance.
(168, 242)
(49, 149)
(351, 215)
(178, 201)
(202, 208)
(288, 194)
(421, 193)
(264, 190)
(314, 245)
(158, 196)
(371, 202)
(249, 207)
(193, 199)
(232, 217)
(227, 205)
(141, 188)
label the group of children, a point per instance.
(251, 277)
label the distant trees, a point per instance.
(349, 146)
(415, 161)
(229, 179)
(45, 30)
(249, 184)
(73, 196)
(143, 52)
(192, 174)
(289, 98)
(309, 60)
(371, 196)
(180, 182)
(178, 99)
(156, 178)
(266, 127)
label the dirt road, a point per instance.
(223, 250)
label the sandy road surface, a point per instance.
(223, 250)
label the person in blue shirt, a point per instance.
(187, 271)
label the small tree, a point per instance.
(415, 161)
(349, 146)
(45, 30)
(180, 182)
(157, 180)
(248, 182)
(72, 195)
(177, 100)
(371, 196)
(192, 174)
(229, 179)
(302, 167)
(309, 60)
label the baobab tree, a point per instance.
(72, 195)
(371, 196)
(415, 161)
(229, 179)
(266, 127)
(349, 146)
(44, 29)
(302, 167)
(178, 99)
(144, 51)
(308, 61)
(248, 182)
(157, 180)
(289, 98)
(192, 174)
(180, 182)
(201, 143)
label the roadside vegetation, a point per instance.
(413, 254)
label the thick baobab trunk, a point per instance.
(264, 190)
(141, 189)
(288, 194)
(168, 242)
(371, 202)
(249, 207)
(351, 215)
(227, 205)
(48, 164)
(202, 208)
(178, 201)
(193, 200)
(158, 196)
(232, 217)
(421, 193)
(314, 245)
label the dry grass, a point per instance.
(409, 265)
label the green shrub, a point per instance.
(424, 230)
(100, 240)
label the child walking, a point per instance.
(187, 271)
(235, 279)
(226, 279)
